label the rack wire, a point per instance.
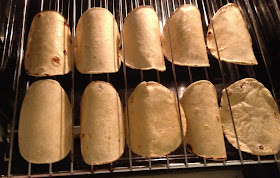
(176, 78)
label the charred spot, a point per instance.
(189, 147)
(64, 52)
(36, 74)
(55, 59)
(209, 158)
(209, 33)
(83, 135)
(39, 15)
(261, 147)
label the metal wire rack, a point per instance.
(176, 78)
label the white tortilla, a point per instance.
(255, 115)
(204, 133)
(233, 39)
(97, 42)
(102, 124)
(154, 123)
(186, 36)
(141, 33)
(45, 124)
(49, 46)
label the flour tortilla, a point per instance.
(187, 38)
(154, 121)
(49, 46)
(45, 124)
(233, 39)
(255, 115)
(102, 124)
(142, 43)
(204, 134)
(97, 42)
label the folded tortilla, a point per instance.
(232, 37)
(256, 117)
(45, 124)
(186, 36)
(97, 42)
(204, 133)
(154, 121)
(102, 124)
(141, 33)
(49, 45)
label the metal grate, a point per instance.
(176, 78)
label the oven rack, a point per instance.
(175, 78)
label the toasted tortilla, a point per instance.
(204, 133)
(102, 124)
(232, 36)
(97, 42)
(141, 33)
(49, 46)
(255, 115)
(186, 36)
(154, 123)
(45, 124)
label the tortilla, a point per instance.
(141, 33)
(49, 46)
(232, 36)
(97, 42)
(45, 124)
(154, 123)
(102, 124)
(255, 115)
(186, 36)
(204, 133)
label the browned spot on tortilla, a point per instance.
(64, 52)
(42, 68)
(39, 15)
(261, 147)
(47, 74)
(55, 59)
(36, 74)
(217, 118)
(189, 147)
(109, 138)
(275, 114)
(70, 40)
(131, 100)
(83, 135)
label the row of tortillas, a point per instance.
(98, 47)
(154, 125)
